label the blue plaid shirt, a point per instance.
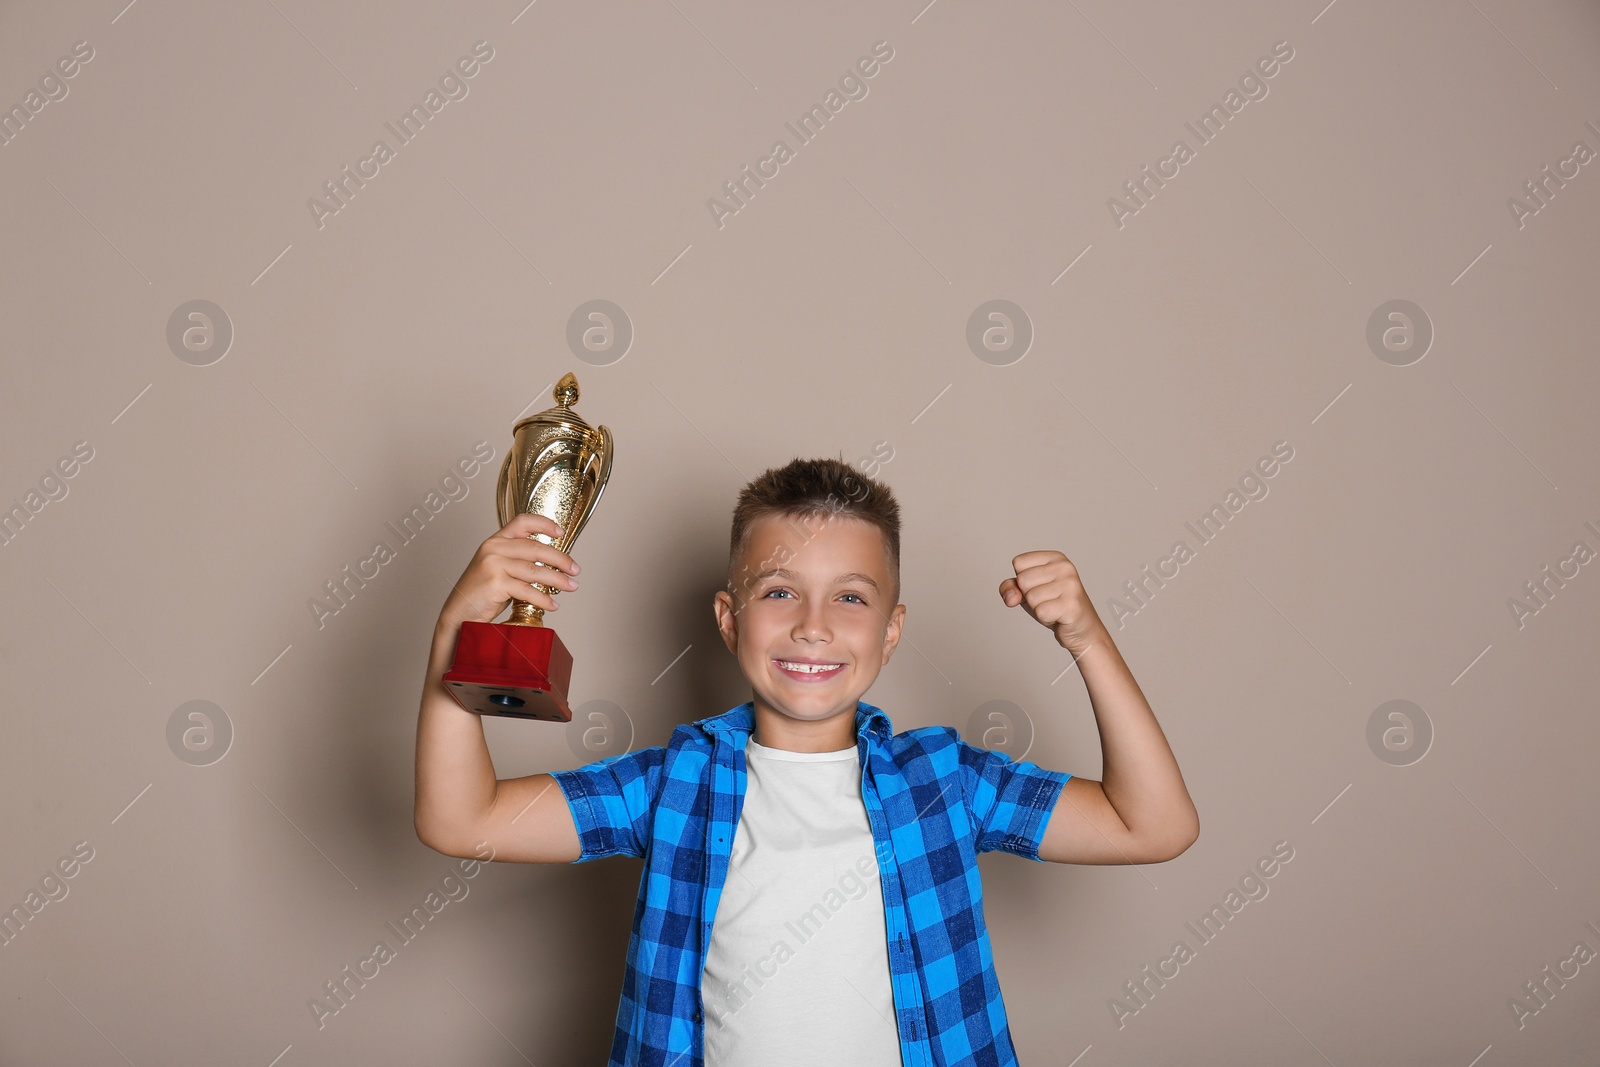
(933, 801)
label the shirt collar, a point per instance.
(738, 723)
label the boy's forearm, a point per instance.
(1140, 777)
(455, 775)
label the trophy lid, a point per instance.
(566, 395)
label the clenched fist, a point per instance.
(505, 567)
(1048, 588)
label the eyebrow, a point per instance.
(852, 576)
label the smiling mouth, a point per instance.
(808, 671)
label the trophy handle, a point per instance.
(522, 612)
(500, 488)
(607, 449)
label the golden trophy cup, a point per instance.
(557, 467)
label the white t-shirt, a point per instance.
(797, 972)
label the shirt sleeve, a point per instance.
(1010, 801)
(612, 801)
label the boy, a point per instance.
(810, 892)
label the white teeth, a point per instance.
(809, 668)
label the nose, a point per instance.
(813, 623)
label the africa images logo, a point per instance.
(852, 85)
(452, 84)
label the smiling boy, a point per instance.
(810, 892)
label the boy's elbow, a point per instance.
(1168, 846)
(429, 839)
(1181, 848)
(443, 844)
(1179, 844)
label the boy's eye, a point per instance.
(858, 599)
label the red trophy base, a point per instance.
(517, 671)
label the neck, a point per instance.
(773, 729)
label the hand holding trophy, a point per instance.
(557, 467)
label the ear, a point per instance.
(727, 620)
(891, 634)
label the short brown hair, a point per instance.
(809, 487)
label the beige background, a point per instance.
(828, 315)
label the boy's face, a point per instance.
(832, 604)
